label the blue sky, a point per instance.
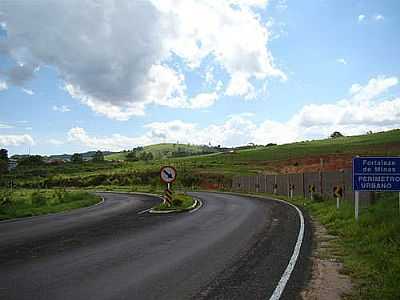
(231, 72)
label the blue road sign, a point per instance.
(376, 173)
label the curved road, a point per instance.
(234, 247)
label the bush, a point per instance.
(177, 202)
(5, 199)
(38, 199)
(318, 197)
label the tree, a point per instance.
(4, 154)
(336, 134)
(143, 155)
(149, 156)
(31, 160)
(131, 156)
(98, 156)
(3, 167)
(77, 158)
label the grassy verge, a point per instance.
(369, 248)
(181, 202)
(26, 203)
(127, 189)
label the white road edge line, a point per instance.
(198, 207)
(144, 211)
(292, 262)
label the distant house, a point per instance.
(12, 164)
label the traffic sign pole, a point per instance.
(168, 175)
(356, 203)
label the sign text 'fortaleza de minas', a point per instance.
(376, 174)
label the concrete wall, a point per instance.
(324, 183)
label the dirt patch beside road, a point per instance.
(327, 282)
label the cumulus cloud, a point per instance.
(117, 57)
(61, 108)
(16, 140)
(361, 18)
(362, 111)
(374, 87)
(28, 92)
(341, 61)
(3, 86)
(113, 143)
(5, 126)
(379, 18)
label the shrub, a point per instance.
(38, 199)
(318, 197)
(177, 202)
(5, 199)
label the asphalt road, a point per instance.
(234, 247)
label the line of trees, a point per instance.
(134, 156)
(3, 161)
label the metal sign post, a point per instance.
(338, 193)
(168, 176)
(356, 204)
(375, 174)
(311, 189)
(291, 190)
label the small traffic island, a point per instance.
(180, 203)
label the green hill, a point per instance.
(167, 150)
(265, 158)
(219, 165)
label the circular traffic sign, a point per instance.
(168, 174)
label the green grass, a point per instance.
(369, 248)
(181, 202)
(25, 203)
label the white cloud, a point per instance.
(27, 91)
(282, 5)
(3, 86)
(56, 142)
(379, 18)
(341, 61)
(62, 108)
(203, 100)
(361, 18)
(117, 57)
(361, 112)
(5, 126)
(240, 85)
(16, 140)
(113, 143)
(374, 88)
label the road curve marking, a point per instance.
(144, 211)
(292, 262)
(198, 207)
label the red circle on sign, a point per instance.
(161, 172)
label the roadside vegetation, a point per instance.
(370, 248)
(26, 203)
(180, 203)
(199, 169)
